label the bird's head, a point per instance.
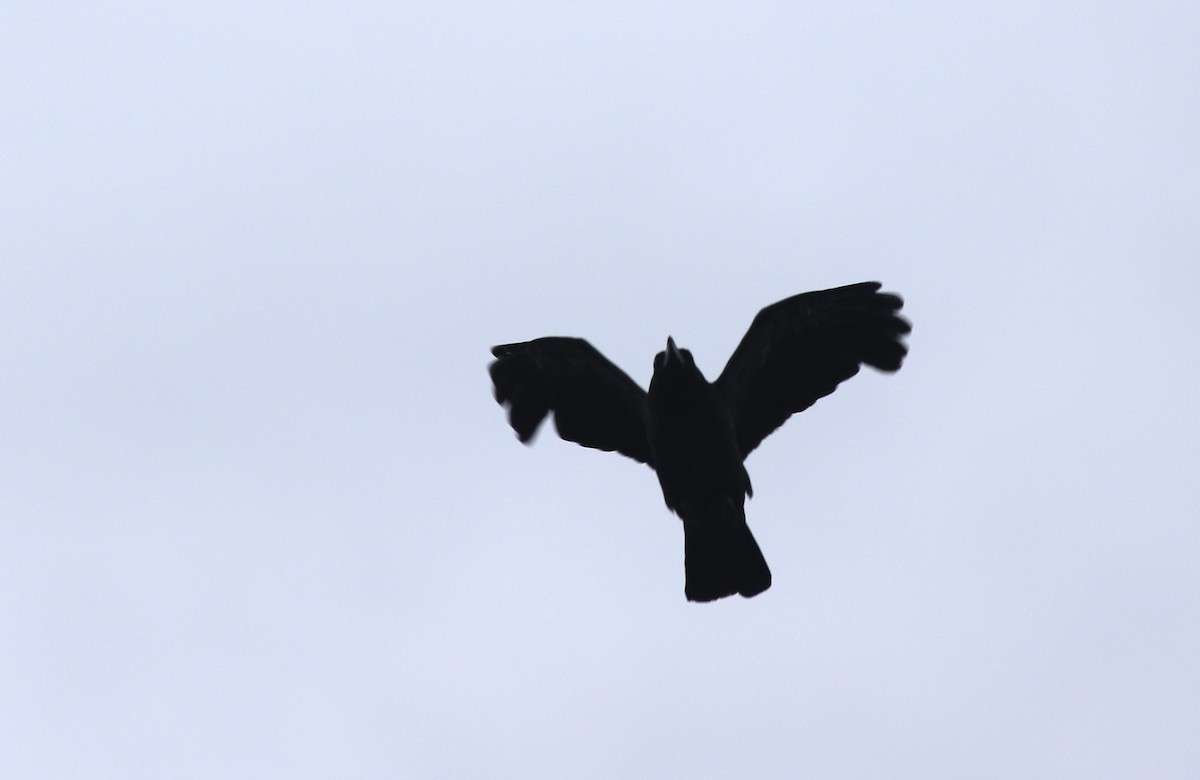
(674, 360)
(672, 355)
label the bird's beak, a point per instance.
(672, 351)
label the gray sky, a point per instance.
(262, 518)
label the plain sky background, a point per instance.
(260, 516)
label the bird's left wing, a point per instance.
(595, 403)
(800, 349)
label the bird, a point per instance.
(696, 434)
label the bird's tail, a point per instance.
(721, 557)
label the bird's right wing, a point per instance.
(595, 403)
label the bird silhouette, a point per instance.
(696, 434)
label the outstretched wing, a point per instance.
(800, 349)
(595, 403)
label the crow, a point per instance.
(696, 434)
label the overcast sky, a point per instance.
(260, 516)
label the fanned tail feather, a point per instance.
(721, 556)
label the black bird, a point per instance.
(696, 434)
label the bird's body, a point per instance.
(696, 434)
(694, 451)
